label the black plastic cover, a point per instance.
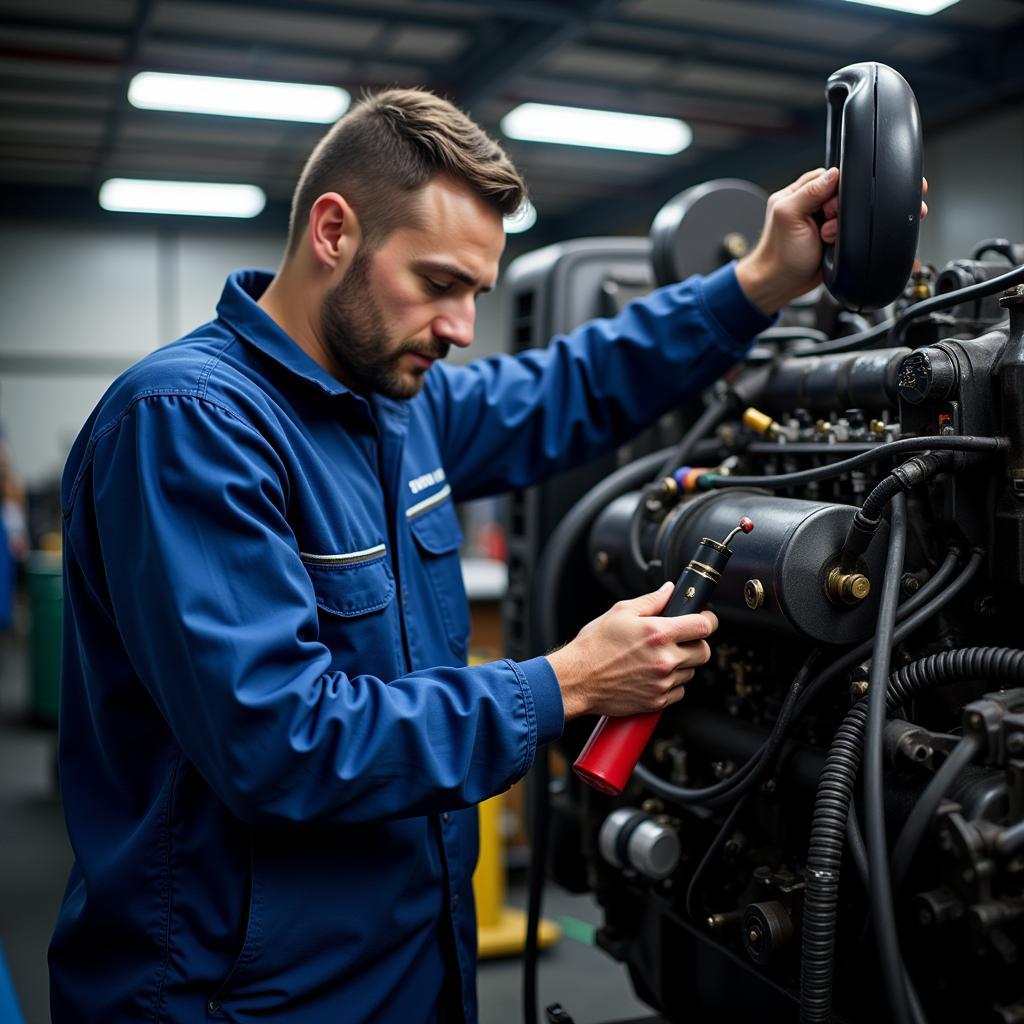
(874, 138)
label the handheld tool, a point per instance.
(615, 745)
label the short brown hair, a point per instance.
(391, 144)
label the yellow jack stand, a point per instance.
(501, 929)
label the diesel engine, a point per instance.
(830, 825)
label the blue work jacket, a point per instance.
(270, 744)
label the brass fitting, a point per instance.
(761, 422)
(920, 289)
(753, 594)
(735, 245)
(847, 587)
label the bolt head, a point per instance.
(1015, 743)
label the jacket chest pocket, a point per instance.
(354, 593)
(438, 539)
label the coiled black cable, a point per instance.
(831, 819)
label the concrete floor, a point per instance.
(35, 858)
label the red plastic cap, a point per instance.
(746, 525)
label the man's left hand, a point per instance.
(786, 262)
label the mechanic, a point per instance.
(271, 746)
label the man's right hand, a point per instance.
(631, 659)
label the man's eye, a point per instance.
(437, 287)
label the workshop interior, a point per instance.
(830, 825)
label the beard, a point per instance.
(354, 330)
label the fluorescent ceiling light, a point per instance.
(909, 6)
(238, 97)
(522, 220)
(603, 129)
(187, 198)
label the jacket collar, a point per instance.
(238, 309)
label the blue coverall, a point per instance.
(270, 746)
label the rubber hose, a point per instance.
(899, 327)
(880, 495)
(832, 805)
(748, 774)
(947, 299)
(914, 828)
(1011, 840)
(728, 827)
(883, 914)
(711, 481)
(855, 839)
(704, 424)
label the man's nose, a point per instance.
(456, 325)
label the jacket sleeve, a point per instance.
(510, 421)
(219, 620)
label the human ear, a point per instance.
(334, 230)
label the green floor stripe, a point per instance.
(574, 928)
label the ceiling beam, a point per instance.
(141, 23)
(548, 11)
(666, 39)
(499, 57)
(198, 42)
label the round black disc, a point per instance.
(706, 226)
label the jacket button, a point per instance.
(444, 817)
(213, 1006)
(455, 902)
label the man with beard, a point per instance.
(271, 746)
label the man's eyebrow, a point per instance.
(453, 271)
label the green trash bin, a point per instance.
(45, 600)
